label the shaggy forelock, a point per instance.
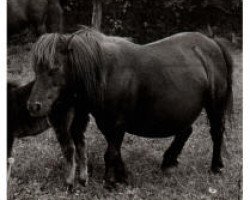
(44, 50)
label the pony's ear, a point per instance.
(61, 45)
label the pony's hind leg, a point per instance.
(77, 130)
(172, 153)
(217, 123)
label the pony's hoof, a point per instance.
(168, 165)
(217, 167)
(122, 178)
(69, 188)
(108, 185)
(216, 170)
(84, 177)
(122, 181)
(69, 185)
(83, 182)
(90, 169)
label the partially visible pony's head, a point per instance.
(12, 85)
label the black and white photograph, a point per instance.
(124, 99)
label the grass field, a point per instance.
(38, 172)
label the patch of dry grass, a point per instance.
(38, 170)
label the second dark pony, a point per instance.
(62, 118)
(152, 90)
(43, 15)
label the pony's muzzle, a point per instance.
(34, 107)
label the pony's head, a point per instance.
(65, 63)
(48, 62)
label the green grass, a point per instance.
(38, 172)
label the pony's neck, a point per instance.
(90, 92)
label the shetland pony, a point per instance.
(151, 90)
(62, 118)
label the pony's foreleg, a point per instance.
(61, 120)
(10, 141)
(77, 130)
(69, 152)
(10, 160)
(171, 155)
(61, 123)
(114, 166)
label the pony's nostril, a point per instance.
(34, 107)
(37, 106)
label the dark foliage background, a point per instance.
(148, 20)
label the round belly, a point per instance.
(166, 118)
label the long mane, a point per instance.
(85, 62)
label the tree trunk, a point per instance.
(97, 14)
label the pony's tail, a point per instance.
(229, 63)
(229, 93)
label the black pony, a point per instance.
(62, 118)
(152, 90)
(43, 15)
